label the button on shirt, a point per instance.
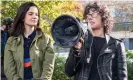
(27, 62)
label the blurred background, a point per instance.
(122, 11)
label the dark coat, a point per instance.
(111, 62)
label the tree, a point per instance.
(59, 69)
(124, 16)
(130, 64)
(52, 9)
(49, 10)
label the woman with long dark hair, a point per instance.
(29, 53)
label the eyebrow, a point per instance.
(32, 12)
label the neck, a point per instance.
(28, 30)
(98, 32)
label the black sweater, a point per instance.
(98, 43)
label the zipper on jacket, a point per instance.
(97, 63)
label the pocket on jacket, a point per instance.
(110, 58)
(107, 60)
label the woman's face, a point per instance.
(31, 17)
(94, 19)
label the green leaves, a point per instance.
(130, 64)
(59, 69)
(49, 10)
(130, 54)
(9, 8)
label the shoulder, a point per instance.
(45, 36)
(119, 40)
(11, 38)
(116, 39)
(41, 33)
(119, 43)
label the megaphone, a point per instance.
(67, 30)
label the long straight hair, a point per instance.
(18, 24)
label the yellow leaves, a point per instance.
(69, 7)
(49, 10)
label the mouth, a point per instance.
(34, 21)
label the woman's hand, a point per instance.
(79, 44)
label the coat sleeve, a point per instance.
(73, 63)
(121, 62)
(9, 63)
(48, 63)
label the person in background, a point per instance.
(100, 56)
(29, 53)
(6, 25)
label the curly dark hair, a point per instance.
(107, 19)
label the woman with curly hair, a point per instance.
(97, 56)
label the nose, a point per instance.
(35, 16)
(89, 18)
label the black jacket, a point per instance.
(111, 63)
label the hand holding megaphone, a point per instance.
(79, 44)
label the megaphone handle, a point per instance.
(88, 46)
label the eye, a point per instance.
(30, 13)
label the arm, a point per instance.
(73, 63)
(9, 63)
(48, 63)
(121, 62)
